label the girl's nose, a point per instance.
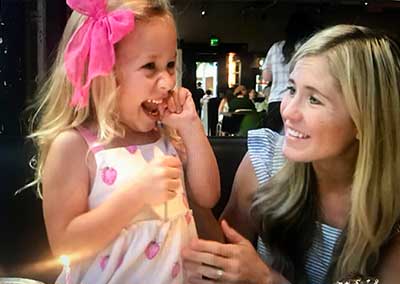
(167, 81)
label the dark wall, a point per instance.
(24, 250)
(259, 24)
(16, 61)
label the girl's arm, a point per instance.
(207, 225)
(73, 229)
(201, 170)
(236, 211)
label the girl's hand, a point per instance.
(237, 262)
(180, 110)
(159, 180)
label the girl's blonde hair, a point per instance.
(53, 112)
(366, 66)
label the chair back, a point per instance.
(229, 152)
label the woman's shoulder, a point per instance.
(265, 152)
(262, 137)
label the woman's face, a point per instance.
(318, 126)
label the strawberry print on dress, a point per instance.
(131, 149)
(104, 261)
(152, 249)
(175, 270)
(188, 217)
(108, 175)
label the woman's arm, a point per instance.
(389, 267)
(222, 105)
(236, 211)
(267, 75)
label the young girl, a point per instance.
(114, 196)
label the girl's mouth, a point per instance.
(151, 107)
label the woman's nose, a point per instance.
(290, 108)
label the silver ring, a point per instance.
(219, 274)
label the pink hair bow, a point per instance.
(93, 44)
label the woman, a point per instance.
(333, 207)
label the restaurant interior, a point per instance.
(221, 44)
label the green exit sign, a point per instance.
(214, 41)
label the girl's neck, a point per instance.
(133, 137)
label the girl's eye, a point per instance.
(150, 66)
(171, 65)
(313, 100)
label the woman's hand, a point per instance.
(237, 262)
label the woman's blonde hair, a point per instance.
(366, 66)
(53, 112)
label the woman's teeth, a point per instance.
(297, 134)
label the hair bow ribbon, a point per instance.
(90, 51)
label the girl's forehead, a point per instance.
(155, 35)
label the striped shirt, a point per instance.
(265, 151)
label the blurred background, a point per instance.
(222, 42)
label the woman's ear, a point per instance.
(357, 135)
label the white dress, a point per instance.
(148, 249)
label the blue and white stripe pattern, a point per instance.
(320, 253)
(265, 151)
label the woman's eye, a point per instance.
(150, 66)
(313, 100)
(291, 90)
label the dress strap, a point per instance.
(90, 138)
